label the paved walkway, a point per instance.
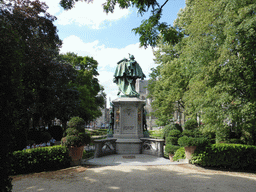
(130, 159)
(135, 173)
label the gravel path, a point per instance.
(183, 178)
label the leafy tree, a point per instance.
(28, 43)
(213, 74)
(10, 84)
(91, 96)
(150, 28)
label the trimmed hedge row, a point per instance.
(231, 156)
(40, 159)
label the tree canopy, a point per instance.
(37, 82)
(150, 28)
(91, 94)
(211, 70)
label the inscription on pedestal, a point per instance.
(128, 128)
(129, 120)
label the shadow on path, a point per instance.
(140, 178)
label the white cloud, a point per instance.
(90, 14)
(53, 5)
(108, 58)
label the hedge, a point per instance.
(40, 159)
(179, 154)
(229, 156)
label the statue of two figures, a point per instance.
(127, 71)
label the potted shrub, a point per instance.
(76, 138)
(190, 144)
(173, 137)
(171, 149)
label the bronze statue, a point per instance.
(127, 71)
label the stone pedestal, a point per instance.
(128, 125)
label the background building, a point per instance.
(141, 88)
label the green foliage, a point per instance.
(97, 132)
(191, 124)
(186, 141)
(211, 71)
(166, 131)
(179, 154)
(150, 28)
(188, 133)
(173, 137)
(171, 140)
(76, 123)
(87, 155)
(230, 156)
(174, 133)
(168, 128)
(171, 149)
(157, 134)
(177, 127)
(91, 94)
(40, 159)
(75, 134)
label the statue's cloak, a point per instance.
(125, 77)
(129, 69)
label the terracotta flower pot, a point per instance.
(171, 157)
(76, 154)
(189, 151)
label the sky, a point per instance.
(88, 31)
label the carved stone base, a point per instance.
(128, 118)
(128, 146)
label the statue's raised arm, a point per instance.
(127, 71)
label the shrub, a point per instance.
(177, 127)
(190, 124)
(87, 154)
(188, 133)
(174, 133)
(170, 127)
(76, 135)
(173, 137)
(235, 141)
(231, 156)
(40, 159)
(172, 140)
(156, 133)
(171, 149)
(186, 141)
(166, 131)
(179, 154)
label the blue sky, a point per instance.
(87, 31)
